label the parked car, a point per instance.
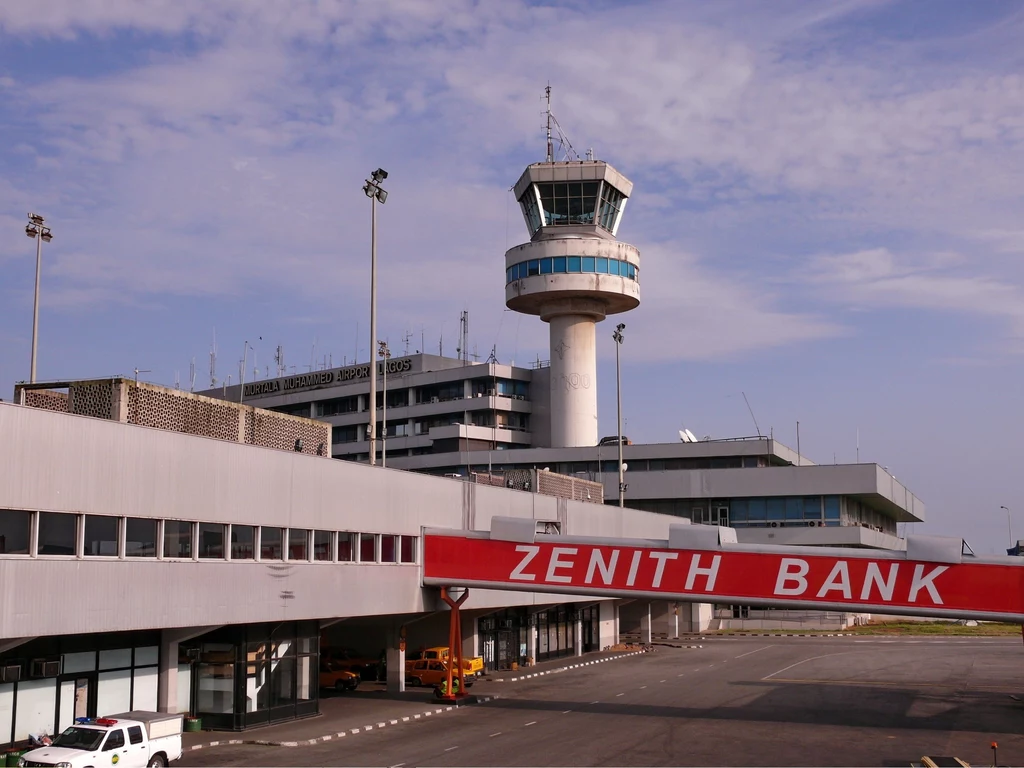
(337, 677)
(429, 672)
(129, 740)
(471, 665)
(346, 658)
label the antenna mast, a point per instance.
(213, 361)
(547, 95)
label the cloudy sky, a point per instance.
(828, 203)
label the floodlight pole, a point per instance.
(375, 192)
(37, 229)
(617, 335)
(385, 353)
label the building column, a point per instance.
(394, 659)
(608, 624)
(531, 643)
(578, 629)
(645, 625)
(167, 682)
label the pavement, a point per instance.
(371, 707)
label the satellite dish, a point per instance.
(689, 434)
(683, 437)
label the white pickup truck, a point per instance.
(129, 740)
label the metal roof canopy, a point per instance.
(703, 563)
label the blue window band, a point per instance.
(560, 265)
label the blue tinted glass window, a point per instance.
(508, 275)
(613, 266)
(756, 509)
(574, 263)
(588, 264)
(545, 266)
(533, 267)
(631, 273)
(558, 264)
(794, 508)
(776, 509)
(831, 507)
(602, 265)
(812, 508)
(738, 510)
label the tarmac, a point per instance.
(372, 707)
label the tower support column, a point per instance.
(573, 378)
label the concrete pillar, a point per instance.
(167, 681)
(531, 643)
(645, 625)
(396, 669)
(579, 637)
(674, 621)
(573, 378)
(608, 624)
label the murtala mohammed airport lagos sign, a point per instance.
(704, 564)
(324, 378)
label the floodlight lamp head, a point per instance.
(47, 237)
(30, 230)
(35, 218)
(620, 327)
(382, 195)
(379, 175)
(369, 189)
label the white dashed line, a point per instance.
(566, 712)
(494, 734)
(595, 702)
(449, 749)
(532, 722)
(680, 674)
(642, 687)
(753, 651)
(661, 681)
(620, 694)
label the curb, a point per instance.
(339, 734)
(567, 668)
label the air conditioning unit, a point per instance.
(10, 673)
(433, 399)
(774, 525)
(45, 668)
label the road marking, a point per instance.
(595, 702)
(397, 765)
(680, 674)
(566, 712)
(620, 694)
(642, 687)
(494, 734)
(661, 681)
(754, 651)
(894, 684)
(797, 664)
(450, 749)
(532, 722)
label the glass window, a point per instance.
(533, 268)
(812, 508)
(575, 263)
(589, 264)
(100, 536)
(613, 266)
(346, 547)
(794, 508)
(558, 264)
(139, 537)
(408, 549)
(15, 531)
(756, 510)
(243, 541)
(508, 275)
(632, 272)
(388, 549)
(367, 548)
(831, 507)
(271, 544)
(514, 269)
(115, 740)
(321, 545)
(298, 544)
(57, 533)
(776, 509)
(177, 538)
(135, 734)
(602, 265)
(545, 266)
(738, 510)
(211, 541)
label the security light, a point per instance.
(379, 175)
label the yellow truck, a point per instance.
(473, 666)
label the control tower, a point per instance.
(573, 273)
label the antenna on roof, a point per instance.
(213, 360)
(751, 413)
(563, 141)
(192, 376)
(279, 359)
(547, 95)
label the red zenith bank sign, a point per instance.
(944, 585)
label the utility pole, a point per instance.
(376, 193)
(36, 228)
(617, 335)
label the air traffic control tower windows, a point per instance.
(577, 203)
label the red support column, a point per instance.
(455, 644)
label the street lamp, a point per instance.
(617, 335)
(385, 353)
(376, 193)
(1009, 530)
(37, 229)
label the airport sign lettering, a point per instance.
(324, 378)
